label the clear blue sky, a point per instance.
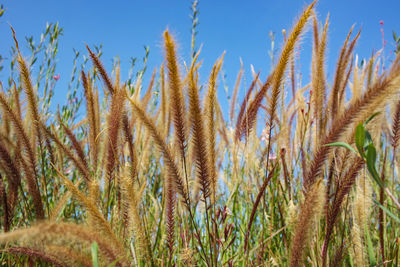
(238, 27)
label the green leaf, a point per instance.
(368, 139)
(94, 249)
(371, 159)
(388, 212)
(371, 255)
(371, 117)
(360, 139)
(113, 263)
(342, 144)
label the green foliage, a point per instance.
(397, 41)
(95, 258)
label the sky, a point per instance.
(238, 27)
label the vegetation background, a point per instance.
(199, 162)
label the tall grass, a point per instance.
(167, 178)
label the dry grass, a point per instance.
(162, 176)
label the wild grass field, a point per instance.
(160, 174)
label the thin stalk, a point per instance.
(381, 215)
(208, 229)
(44, 178)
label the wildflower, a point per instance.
(56, 77)
(68, 171)
(265, 135)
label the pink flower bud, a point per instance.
(272, 156)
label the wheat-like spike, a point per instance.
(374, 98)
(369, 69)
(78, 163)
(362, 203)
(235, 91)
(37, 254)
(49, 148)
(8, 200)
(255, 205)
(91, 118)
(318, 82)
(100, 223)
(164, 101)
(223, 130)
(6, 206)
(50, 232)
(18, 112)
(316, 33)
(106, 79)
(6, 123)
(348, 57)
(361, 207)
(338, 259)
(132, 152)
(358, 254)
(349, 52)
(284, 59)
(30, 169)
(291, 215)
(55, 212)
(33, 109)
(255, 77)
(117, 74)
(242, 122)
(164, 149)
(357, 79)
(76, 144)
(381, 215)
(176, 95)
(340, 72)
(250, 118)
(342, 90)
(396, 127)
(17, 101)
(132, 200)
(146, 143)
(97, 113)
(73, 257)
(292, 77)
(170, 197)
(147, 95)
(199, 135)
(210, 112)
(12, 173)
(114, 125)
(343, 189)
(94, 191)
(310, 212)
